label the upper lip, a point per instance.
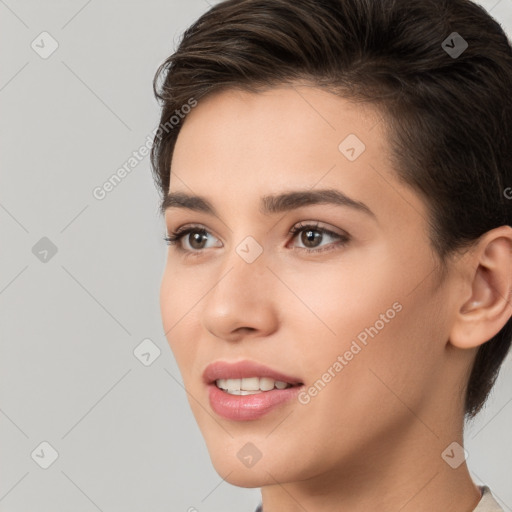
(243, 369)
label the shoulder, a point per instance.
(488, 503)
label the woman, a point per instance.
(334, 180)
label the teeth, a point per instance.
(266, 384)
(233, 384)
(250, 385)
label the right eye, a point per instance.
(200, 235)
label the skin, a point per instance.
(372, 438)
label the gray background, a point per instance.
(125, 437)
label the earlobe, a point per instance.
(487, 310)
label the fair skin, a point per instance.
(372, 438)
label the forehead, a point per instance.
(295, 129)
(237, 145)
(292, 113)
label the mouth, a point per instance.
(247, 375)
(247, 390)
(251, 385)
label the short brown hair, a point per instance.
(449, 115)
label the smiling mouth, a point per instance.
(251, 385)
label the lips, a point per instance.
(247, 405)
(244, 369)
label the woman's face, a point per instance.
(359, 324)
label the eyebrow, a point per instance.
(270, 204)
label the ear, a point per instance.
(486, 306)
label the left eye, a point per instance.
(309, 231)
(312, 234)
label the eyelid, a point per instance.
(181, 232)
(343, 238)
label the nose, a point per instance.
(243, 300)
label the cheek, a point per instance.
(180, 291)
(390, 349)
(168, 310)
(340, 298)
(179, 316)
(385, 328)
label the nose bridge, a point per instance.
(246, 266)
(242, 295)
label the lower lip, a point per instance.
(249, 407)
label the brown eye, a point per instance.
(312, 235)
(198, 237)
(194, 236)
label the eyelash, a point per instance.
(174, 238)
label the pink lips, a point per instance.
(246, 407)
(224, 370)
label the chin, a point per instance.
(246, 478)
(255, 477)
(228, 461)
